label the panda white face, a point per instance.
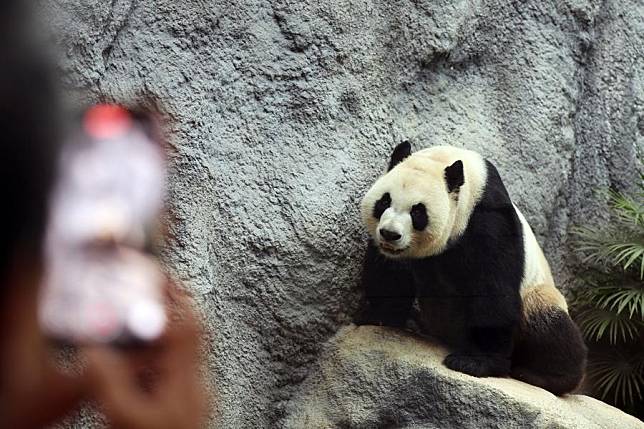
(424, 200)
(409, 212)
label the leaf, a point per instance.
(617, 375)
(597, 322)
(629, 299)
(627, 208)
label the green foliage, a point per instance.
(618, 374)
(609, 303)
(596, 322)
(621, 244)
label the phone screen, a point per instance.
(100, 283)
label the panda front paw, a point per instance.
(478, 365)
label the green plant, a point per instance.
(609, 302)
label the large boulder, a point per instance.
(376, 377)
(281, 113)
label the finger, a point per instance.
(116, 388)
(181, 358)
(183, 333)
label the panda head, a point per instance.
(411, 211)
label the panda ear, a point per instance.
(454, 176)
(402, 151)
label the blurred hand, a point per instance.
(33, 392)
(156, 386)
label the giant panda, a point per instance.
(443, 230)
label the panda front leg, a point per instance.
(389, 290)
(491, 326)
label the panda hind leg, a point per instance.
(550, 352)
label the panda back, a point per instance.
(536, 268)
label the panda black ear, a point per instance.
(454, 176)
(402, 151)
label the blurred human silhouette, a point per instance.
(151, 386)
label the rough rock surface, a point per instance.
(370, 377)
(282, 112)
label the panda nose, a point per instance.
(389, 235)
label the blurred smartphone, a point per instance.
(101, 283)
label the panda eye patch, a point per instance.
(419, 216)
(381, 205)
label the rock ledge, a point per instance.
(371, 377)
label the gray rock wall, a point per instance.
(282, 113)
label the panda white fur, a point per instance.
(444, 230)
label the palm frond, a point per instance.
(595, 323)
(631, 300)
(614, 298)
(609, 248)
(625, 254)
(617, 374)
(627, 208)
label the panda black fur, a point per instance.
(444, 230)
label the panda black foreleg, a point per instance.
(389, 291)
(487, 349)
